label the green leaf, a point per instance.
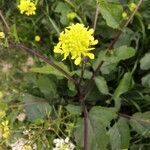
(47, 87)
(74, 109)
(87, 74)
(145, 62)
(108, 67)
(124, 52)
(36, 108)
(111, 12)
(63, 9)
(119, 135)
(99, 120)
(3, 106)
(123, 87)
(47, 69)
(146, 80)
(99, 59)
(98, 138)
(140, 122)
(71, 86)
(103, 114)
(101, 84)
(126, 38)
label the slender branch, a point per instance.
(82, 99)
(4, 21)
(85, 127)
(134, 118)
(85, 112)
(125, 25)
(45, 59)
(96, 16)
(36, 53)
(82, 72)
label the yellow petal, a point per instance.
(77, 61)
(90, 55)
(95, 42)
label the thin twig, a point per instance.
(82, 96)
(85, 112)
(36, 53)
(125, 25)
(45, 59)
(134, 118)
(96, 16)
(86, 128)
(4, 21)
(82, 73)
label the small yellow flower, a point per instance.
(2, 35)
(1, 94)
(26, 147)
(37, 38)
(71, 15)
(5, 129)
(77, 41)
(124, 15)
(27, 7)
(132, 6)
(2, 114)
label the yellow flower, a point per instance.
(71, 15)
(37, 38)
(2, 35)
(26, 147)
(124, 15)
(4, 128)
(27, 7)
(132, 6)
(1, 94)
(76, 41)
(2, 114)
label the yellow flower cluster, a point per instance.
(71, 15)
(37, 38)
(2, 35)
(77, 41)
(132, 6)
(2, 113)
(27, 7)
(4, 129)
(124, 15)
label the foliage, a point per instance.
(50, 99)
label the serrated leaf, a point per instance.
(74, 109)
(47, 87)
(36, 108)
(123, 87)
(140, 123)
(103, 114)
(101, 57)
(87, 74)
(124, 52)
(47, 69)
(126, 38)
(63, 9)
(101, 84)
(119, 135)
(146, 80)
(99, 119)
(108, 67)
(111, 12)
(145, 62)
